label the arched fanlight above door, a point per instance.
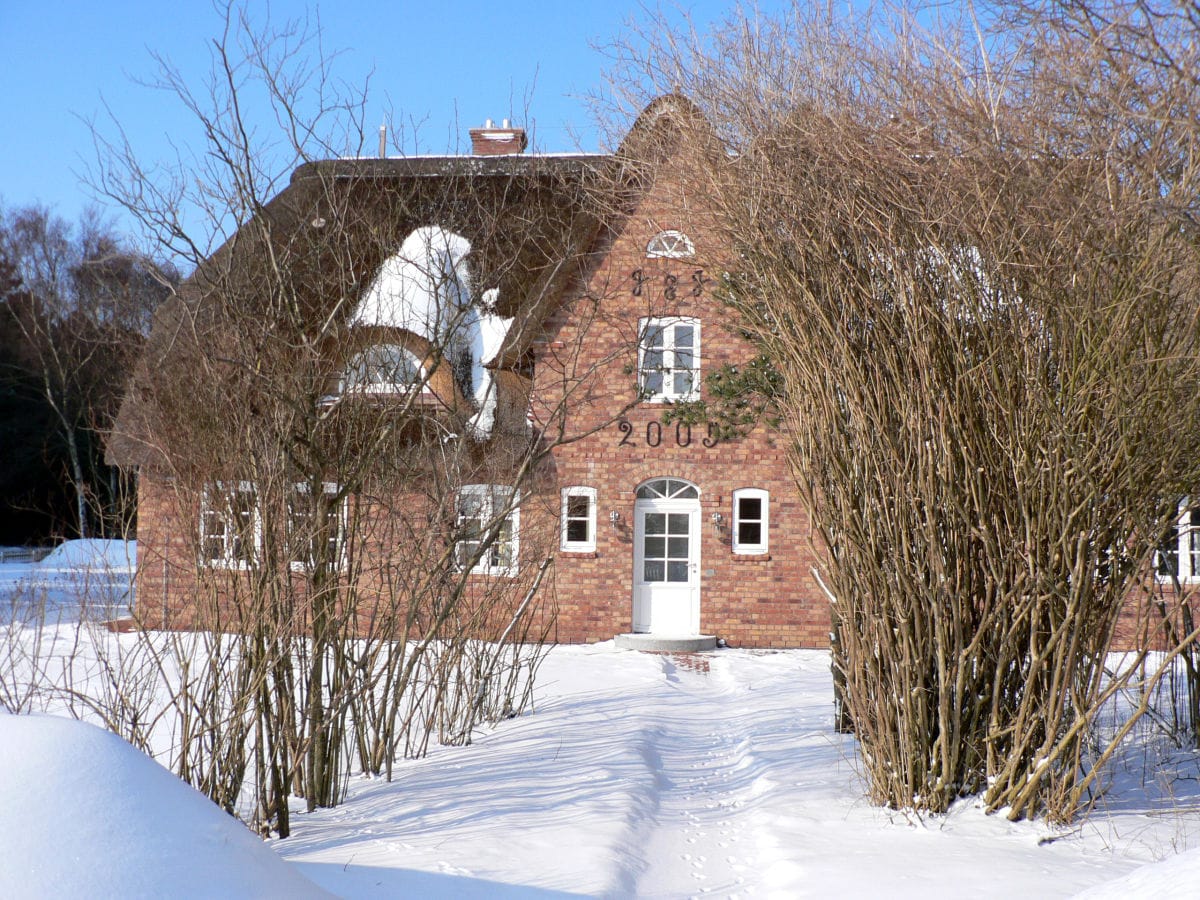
(668, 489)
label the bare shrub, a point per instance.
(970, 257)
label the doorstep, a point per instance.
(661, 643)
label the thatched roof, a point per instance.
(535, 225)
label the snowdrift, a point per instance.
(1175, 878)
(81, 579)
(94, 554)
(87, 815)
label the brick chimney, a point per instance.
(492, 141)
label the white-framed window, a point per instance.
(750, 520)
(383, 369)
(316, 527)
(1178, 557)
(487, 511)
(669, 359)
(670, 245)
(229, 524)
(579, 519)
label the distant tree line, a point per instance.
(75, 306)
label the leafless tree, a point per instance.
(79, 312)
(332, 543)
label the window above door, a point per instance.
(669, 359)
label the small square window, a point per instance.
(579, 519)
(750, 521)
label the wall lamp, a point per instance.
(718, 521)
(615, 518)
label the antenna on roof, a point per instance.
(383, 140)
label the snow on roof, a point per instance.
(422, 287)
(426, 288)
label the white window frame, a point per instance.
(668, 368)
(670, 244)
(216, 506)
(420, 384)
(764, 521)
(339, 514)
(491, 499)
(589, 544)
(1186, 549)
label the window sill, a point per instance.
(578, 554)
(752, 557)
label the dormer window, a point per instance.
(383, 369)
(670, 245)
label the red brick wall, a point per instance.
(166, 572)
(391, 562)
(591, 357)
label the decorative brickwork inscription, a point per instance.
(654, 434)
(671, 285)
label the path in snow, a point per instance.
(700, 756)
(654, 776)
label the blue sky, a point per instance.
(446, 66)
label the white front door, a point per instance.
(666, 559)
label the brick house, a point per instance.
(579, 337)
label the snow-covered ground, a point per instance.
(635, 775)
(88, 579)
(86, 815)
(658, 776)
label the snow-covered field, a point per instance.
(88, 579)
(635, 775)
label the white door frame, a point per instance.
(662, 606)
